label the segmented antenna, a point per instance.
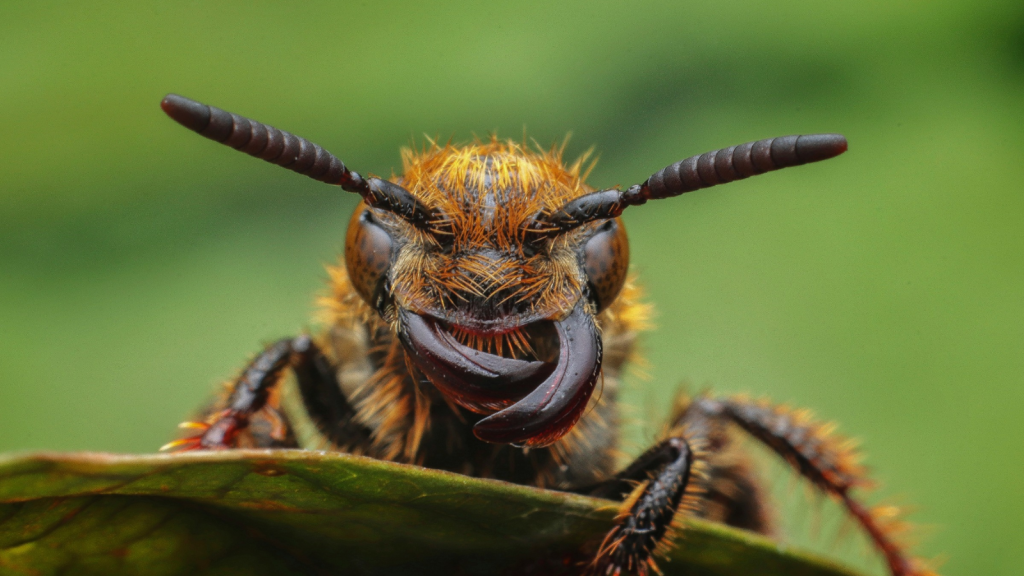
(696, 172)
(294, 153)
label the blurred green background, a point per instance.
(141, 264)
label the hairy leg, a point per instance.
(828, 460)
(667, 478)
(675, 476)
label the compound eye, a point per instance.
(367, 254)
(606, 260)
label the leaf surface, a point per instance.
(257, 512)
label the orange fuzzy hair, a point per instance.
(526, 183)
(489, 193)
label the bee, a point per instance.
(483, 298)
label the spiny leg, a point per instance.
(827, 460)
(317, 384)
(670, 478)
(677, 476)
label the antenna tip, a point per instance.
(191, 114)
(815, 147)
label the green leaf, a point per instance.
(278, 512)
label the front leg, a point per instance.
(250, 393)
(248, 396)
(664, 479)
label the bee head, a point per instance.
(491, 261)
(495, 309)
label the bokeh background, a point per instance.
(141, 264)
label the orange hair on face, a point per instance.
(489, 192)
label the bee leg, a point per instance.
(827, 460)
(325, 403)
(666, 478)
(249, 395)
(316, 382)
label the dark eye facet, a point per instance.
(606, 260)
(368, 248)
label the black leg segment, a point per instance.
(324, 401)
(665, 479)
(629, 547)
(317, 383)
